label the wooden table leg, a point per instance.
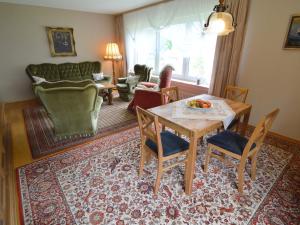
(245, 122)
(190, 167)
(110, 97)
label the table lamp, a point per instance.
(112, 53)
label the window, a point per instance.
(172, 33)
(184, 46)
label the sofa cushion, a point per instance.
(69, 71)
(38, 80)
(88, 68)
(48, 71)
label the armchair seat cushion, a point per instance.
(171, 144)
(149, 84)
(230, 141)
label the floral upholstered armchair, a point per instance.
(126, 85)
(149, 97)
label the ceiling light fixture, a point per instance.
(220, 22)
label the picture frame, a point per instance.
(61, 41)
(292, 40)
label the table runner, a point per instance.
(220, 110)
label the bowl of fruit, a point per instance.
(199, 104)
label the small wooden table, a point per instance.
(194, 129)
(108, 94)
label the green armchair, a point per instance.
(73, 106)
(126, 85)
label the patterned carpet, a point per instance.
(40, 129)
(98, 184)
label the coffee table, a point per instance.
(108, 94)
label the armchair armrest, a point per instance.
(108, 78)
(122, 80)
(145, 99)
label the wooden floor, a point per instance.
(20, 146)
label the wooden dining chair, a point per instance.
(170, 94)
(238, 147)
(163, 145)
(237, 94)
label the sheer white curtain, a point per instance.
(142, 26)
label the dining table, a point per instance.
(194, 129)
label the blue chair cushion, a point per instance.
(171, 144)
(230, 141)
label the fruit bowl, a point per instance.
(199, 104)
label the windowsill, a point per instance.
(190, 83)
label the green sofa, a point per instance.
(73, 106)
(66, 71)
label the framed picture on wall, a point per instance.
(292, 40)
(61, 41)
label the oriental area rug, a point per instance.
(43, 142)
(98, 183)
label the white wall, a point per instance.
(271, 73)
(23, 40)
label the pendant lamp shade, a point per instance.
(220, 22)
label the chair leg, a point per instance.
(159, 174)
(236, 127)
(253, 166)
(207, 159)
(241, 169)
(200, 140)
(147, 156)
(142, 162)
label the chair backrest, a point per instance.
(63, 71)
(170, 94)
(149, 128)
(261, 131)
(143, 72)
(165, 77)
(67, 98)
(236, 93)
